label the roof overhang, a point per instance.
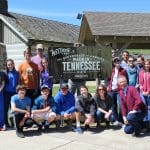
(12, 28)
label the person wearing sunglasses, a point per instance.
(65, 101)
(104, 106)
(132, 72)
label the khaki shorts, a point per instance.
(44, 116)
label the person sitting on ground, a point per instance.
(66, 104)
(44, 109)
(104, 106)
(85, 106)
(20, 109)
(132, 107)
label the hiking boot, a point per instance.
(117, 124)
(78, 130)
(136, 133)
(20, 134)
(40, 127)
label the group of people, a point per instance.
(131, 94)
(124, 100)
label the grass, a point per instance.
(139, 51)
(92, 89)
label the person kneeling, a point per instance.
(85, 106)
(20, 109)
(104, 106)
(44, 109)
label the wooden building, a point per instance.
(19, 32)
(120, 30)
(115, 30)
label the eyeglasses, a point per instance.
(101, 89)
(130, 60)
(63, 89)
(117, 62)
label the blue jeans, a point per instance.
(100, 117)
(1, 110)
(135, 121)
(146, 101)
(116, 105)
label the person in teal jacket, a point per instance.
(132, 72)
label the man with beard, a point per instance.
(85, 106)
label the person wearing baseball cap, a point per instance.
(44, 108)
(39, 55)
(66, 104)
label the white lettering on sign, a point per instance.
(60, 51)
(84, 66)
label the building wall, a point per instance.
(10, 37)
(14, 46)
(2, 56)
(15, 52)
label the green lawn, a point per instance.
(91, 89)
(139, 51)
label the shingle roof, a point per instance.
(118, 24)
(43, 29)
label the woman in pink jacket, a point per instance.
(144, 84)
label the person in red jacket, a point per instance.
(113, 88)
(132, 107)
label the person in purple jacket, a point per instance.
(132, 107)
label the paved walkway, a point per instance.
(102, 139)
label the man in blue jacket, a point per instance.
(66, 103)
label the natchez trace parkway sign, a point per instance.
(88, 62)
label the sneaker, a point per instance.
(136, 133)
(87, 127)
(2, 129)
(78, 130)
(69, 124)
(57, 125)
(40, 127)
(20, 134)
(98, 125)
(118, 124)
(107, 124)
(45, 128)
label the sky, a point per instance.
(67, 10)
